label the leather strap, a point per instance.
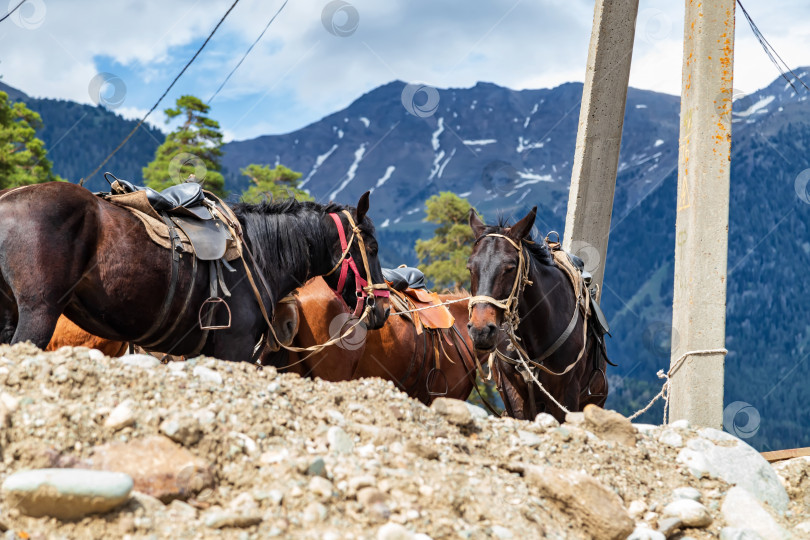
(167, 303)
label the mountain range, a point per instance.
(507, 151)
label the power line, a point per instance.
(771, 52)
(155, 106)
(224, 82)
(7, 15)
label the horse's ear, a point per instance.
(522, 228)
(476, 224)
(362, 207)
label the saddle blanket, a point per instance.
(138, 204)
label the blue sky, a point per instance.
(301, 72)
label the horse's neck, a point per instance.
(544, 308)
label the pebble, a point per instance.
(207, 375)
(575, 418)
(143, 361)
(679, 424)
(66, 493)
(546, 421)
(121, 416)
(454, 411)
(686, 493)
(690, 512)
(180, 509)
(368, 496)
(314, 513)
(610, 425)
(477, 412)
(742, 510)
(221, 519)
(502, 532)
(317, 467)
(183, 429)
(339, 441)
(636, 509)
(668, 525)
(421, 450)
(642, 532)
(529, 439)
(321, 487)
(671, 437)
(9, 402)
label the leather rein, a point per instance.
(511, 319)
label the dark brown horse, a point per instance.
(395, 352)
(547, 306)
(64, 250)
(67, 334)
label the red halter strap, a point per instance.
(360, 283)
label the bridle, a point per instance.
(366, 292)
(511, 319)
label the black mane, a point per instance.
(539, 250)
(281, 233)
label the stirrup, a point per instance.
(431, 378)
(214, 301)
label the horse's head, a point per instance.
(356, 274)
(285, 322)
(494, 267)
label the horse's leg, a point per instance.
(36, 324)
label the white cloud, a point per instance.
(300, 72)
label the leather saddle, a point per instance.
(404, 277)
(188, 209)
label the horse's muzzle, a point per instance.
(379, 314)
(484, 337)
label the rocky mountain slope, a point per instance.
(210, 449)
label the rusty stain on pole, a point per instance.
(701, 247)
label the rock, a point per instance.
(314, 513)
(9, 402)
(696, 462)
(65, 493)
(244, 503)
(645, 533)
(546, 421)
(686, 493)
(339, 441)
(668, 525)
(671, 437)
(121, 416)
(690, 512)
(735, 462)
(220, 519)
(143, 361)
(317, 467)
(147, 502)
(321, 487)
(636, 509)
(575, 418)
(743, 511)
(804, 528)
(529, 439)
(182, 428)
(181, 510)
(158, 467)
(647, 429)
(597, 509)
(477, 412)
(733, 533)
(370, 495)
(421, 450)
(610, 425)
(679, 424)
(454, 411)
(207, 375)
(394, 531)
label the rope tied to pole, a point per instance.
(668, 375)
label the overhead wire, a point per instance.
(155, 106)
(7, 15)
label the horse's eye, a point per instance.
(509, 268)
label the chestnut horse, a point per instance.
(395, 352)
(64, 250)
(67, 334)
(545, 302)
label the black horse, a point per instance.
(508, 268)
(64, 250)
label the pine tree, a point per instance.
(277, 183)
(194, 148)
(23, 158)
(443, 258)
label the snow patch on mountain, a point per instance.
(318, 162)
(525, 144)
(758, 107)
(366, 121)
(350, 174)
(388, 172)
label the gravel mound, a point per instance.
(223, 450)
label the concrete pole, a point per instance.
(601, 118)
(701, 230)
